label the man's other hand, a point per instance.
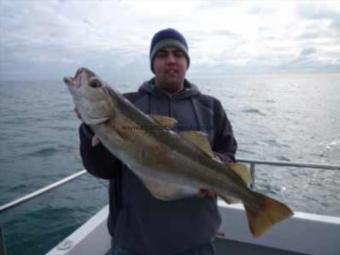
(77, 112)
(206, 193)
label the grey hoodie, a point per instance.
(139, 222)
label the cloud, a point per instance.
(307, 52)
(48, 38)
(328, 12)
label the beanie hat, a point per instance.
(168, 38)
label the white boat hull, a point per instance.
(304, 233)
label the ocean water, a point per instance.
(292, 118)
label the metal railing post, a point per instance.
(252, 173)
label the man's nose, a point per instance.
(171, 58)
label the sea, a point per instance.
(278, 117)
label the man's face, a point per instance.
(170, 66)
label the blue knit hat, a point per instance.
(168, 38)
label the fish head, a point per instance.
(91, 96)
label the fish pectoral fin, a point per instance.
(164, 121)
(269, 212)
(166, 191)
(241, 170)
(200, 139)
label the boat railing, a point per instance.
(250, 162)
(253, 163)
(41, 191)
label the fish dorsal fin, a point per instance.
(241, 170)
(199, 139)
(164, 121)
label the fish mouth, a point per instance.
(81, 74)
(68, 80)
(89, 74)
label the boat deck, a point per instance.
(301, 234)
(230, 247)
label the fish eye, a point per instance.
(95, 83)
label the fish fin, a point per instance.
(270, 211)
(164, 121)
(230, 199)
(165, 191)
(241, 170)
(199, 139)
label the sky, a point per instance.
(50, 39)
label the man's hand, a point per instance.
(206, 193)
(77, 112)
(209, 193)
(95, 140)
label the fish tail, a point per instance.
(269, 212)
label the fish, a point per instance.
(171, 165)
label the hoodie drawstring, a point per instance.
(197, 118)
(170, 107)
(149, 104)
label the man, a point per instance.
(138, 222)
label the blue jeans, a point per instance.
(206, 249)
